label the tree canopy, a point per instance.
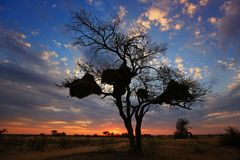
(121, 68)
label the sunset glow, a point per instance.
(203, 38)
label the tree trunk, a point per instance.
(135, 141)
(138, 135)
(128, 125)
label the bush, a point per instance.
(231, 137)
(38, 143)
(182, 129)
(178, 135)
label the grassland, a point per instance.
(113, 148)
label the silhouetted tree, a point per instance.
(95, 135)
(106, 133)
(124, 135)
(122, 64)
(3, 131)
(182, 129)
(54, 132)
(62, 134)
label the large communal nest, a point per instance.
(121, 75)
(175, 92)
(119, 78)
(83, 87)
(142, 94)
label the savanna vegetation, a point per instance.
(48, 147)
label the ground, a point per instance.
(116, 148)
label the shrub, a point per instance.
(182, 129)
(63, 143)
(231, 137)
(38, 143)
(178, 134)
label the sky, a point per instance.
(203, 38)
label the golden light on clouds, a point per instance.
(213, 20)
(179, 63)
(178, 26)
(57, 122)
(47, 55)
(190, 9)
(196, 72)
(220, 115)
(122, 12)
(83, 123)
(203, 2)
(157, 17)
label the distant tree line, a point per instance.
(56, 133)
(3, 131)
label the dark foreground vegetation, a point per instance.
(46, 142)
(209, 147)
(231, 138)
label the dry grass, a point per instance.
(164, 148)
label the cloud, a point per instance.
(199, 18)
(57, 44)
(178, 26)
(90, 2)
(197, 33)
(14, 44)
(161, 14)
(178, 60)
(219, 111)
(203, 2)
(229, 101)
(229, 25)
(165, 61)
(28, 90)
(183, 1)
(179, 63)
(235, 83)
(196, 72)
(143, 1)
(57, 122)
(213, 20)
(73, 48)
(47, 55)
(224, 114)
(157, 62)
(122, 12)
(145, 24)
(157, 16)
(190, 9)
(35, 33)
(228, 64)
(51, 108)
(84, 123)
(20, 37)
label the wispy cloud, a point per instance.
(122, 12)
(220, 115)
(57, 122)
(213, 20)
(57, 44)
(203, 2)
(179, 63)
